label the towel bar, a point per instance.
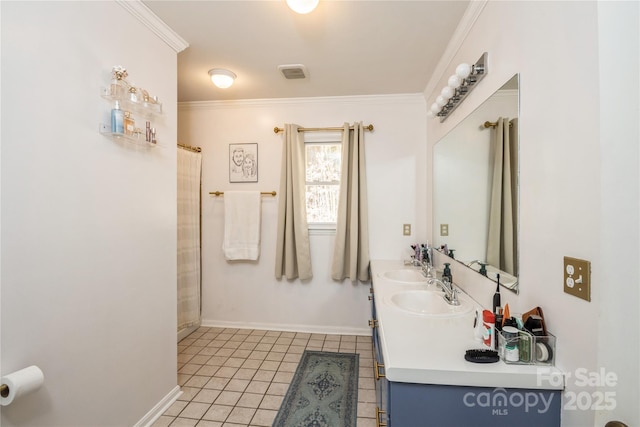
(264, 193)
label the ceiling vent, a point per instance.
(293, 71)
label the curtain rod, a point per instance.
(264, 193)
(190, 148)
(277, 129)
(489, 124)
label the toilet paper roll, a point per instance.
(21, 382)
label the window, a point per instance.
(322, 165)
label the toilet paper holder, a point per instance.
(20, 383)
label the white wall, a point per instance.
(618, 318)
(246, 294)
(88, 225)
(569, 178)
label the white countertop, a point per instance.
(430, 350)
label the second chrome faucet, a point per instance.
(450, 293)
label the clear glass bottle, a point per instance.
(119, 86)
(133, 94)
(129, 124)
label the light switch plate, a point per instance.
(406, 229)
(577, 278)
(444, 229)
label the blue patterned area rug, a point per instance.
(323, 392)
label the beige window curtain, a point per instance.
(293, 255)
(501, 241)
(351, 251)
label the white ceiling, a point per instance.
(361, 47)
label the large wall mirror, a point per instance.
(475, 196)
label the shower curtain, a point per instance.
(189, 173)
(503, 218)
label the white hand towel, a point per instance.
(242, 210)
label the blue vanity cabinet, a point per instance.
(378, 368)
(417, 405)
(381, 383)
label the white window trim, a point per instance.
(322, 228)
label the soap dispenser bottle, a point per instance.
(425, 254)
(446, 273)
(483, 269)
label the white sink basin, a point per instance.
(430, 303)
(405, 275)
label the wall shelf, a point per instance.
(135, 103)
(137, 139)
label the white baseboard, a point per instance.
(159, 409)
(183, 333)
(333, 330)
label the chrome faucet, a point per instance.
(427, 269)
(413, 261)
(450, 293)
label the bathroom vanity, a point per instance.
(421, 375)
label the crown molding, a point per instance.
(150, 20)
(407, 98)
(459, 35)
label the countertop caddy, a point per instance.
(422, 377)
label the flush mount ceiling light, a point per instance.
(302, 6)
(459, 86)
(221, 77)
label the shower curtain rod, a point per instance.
(190, 148)
(277, 129)
(488, 124)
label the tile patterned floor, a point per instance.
(238, 377)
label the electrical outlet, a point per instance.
(444, 229)
(406, 229)
(577, 278)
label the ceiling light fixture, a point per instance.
(459, 86)
(302, 6)
(221, 77)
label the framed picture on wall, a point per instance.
(243, 162)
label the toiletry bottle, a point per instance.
(488, 323)
(498, 326)
(117, 119)
(129, 124)
(148, 132)
(425, 254)
(483, 269)
(451, 253)
(153, 136)
(446, 273)
(510, 337)
(496, 296)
